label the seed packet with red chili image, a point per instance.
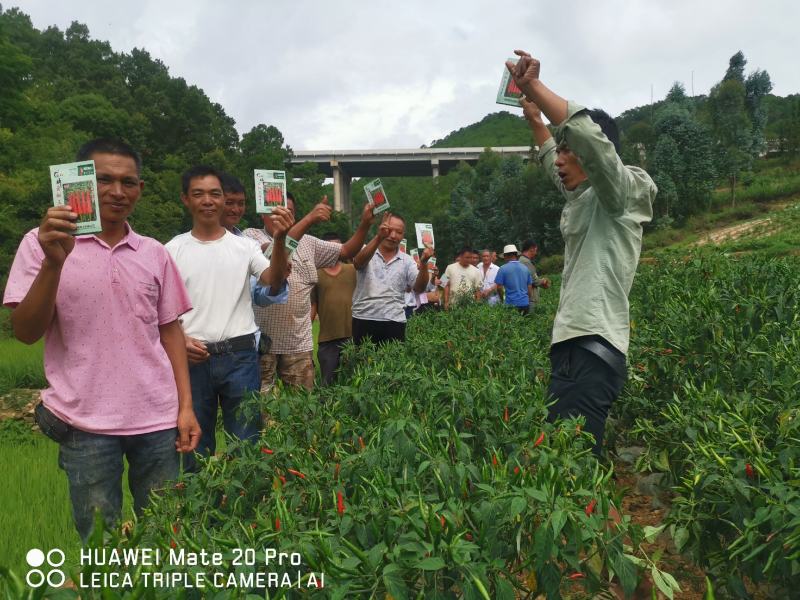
(376, 196)
(75, 184)
(424, 235)
(509, 93)
(270, 190)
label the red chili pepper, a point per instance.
(361, 442)
(539, 440)
(577, 576)
(516, 470)
(340, 503)
(172, 544)
(180, 486)
(283, 479)
(176, 528)
(267, 451)
(590, 507)
(296, 473)
(277, 524)
(253, 525)
(505, 415)
(748, 469)
(494, 460)
(241, 492)
(441, 520)
(468, 536)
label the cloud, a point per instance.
(360, 74)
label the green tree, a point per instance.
(757, 86)
(684, 155)
(732, 130)
(736, 66)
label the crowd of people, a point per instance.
(145, 344)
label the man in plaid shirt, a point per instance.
(289, 325)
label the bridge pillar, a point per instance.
(435, 167)
(341, 188)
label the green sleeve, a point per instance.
(599, 159)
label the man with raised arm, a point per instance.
(107, 305)
(289, 325)
(383, 274)
(606, 205)
(216, 266)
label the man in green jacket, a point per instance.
(606, 205)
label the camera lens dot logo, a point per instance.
(55, 577)
(35, 557)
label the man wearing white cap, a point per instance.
(515, 279)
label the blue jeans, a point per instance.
(230, 378)
(93, 464)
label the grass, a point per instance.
(35, 511)
(20, 365)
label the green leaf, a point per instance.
(680, 537)
(558, 519)
(518, 504)
(624, 569)
(651, 533)
(432, 563)
(394, 582)
(503, 590)
(661, 583)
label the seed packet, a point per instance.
(270, 190)
(290, 244)
(404, 246)
(376, 196)
(75, 184)
(414, 253)
(432, 261)
(424, 235)
(509, 93)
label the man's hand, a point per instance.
(532, 112)
(544, 282)
(54, 234)
(367, 217)
(426, 255)
(321, 212)
(196, 351)
(188, 431)
(282, 221)
(526, 71)
(383, 230)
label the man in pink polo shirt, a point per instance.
(108, 307)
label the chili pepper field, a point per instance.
(429, 470)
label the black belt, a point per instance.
(613, 358)
(234, 344)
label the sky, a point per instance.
(391, 74)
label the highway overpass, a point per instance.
(343, 165)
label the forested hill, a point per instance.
(496, 129)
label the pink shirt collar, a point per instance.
(131, 238)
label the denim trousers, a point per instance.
(226, 380)
(94, 467)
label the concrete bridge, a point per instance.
(343, 165)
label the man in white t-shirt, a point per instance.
(216, 266)
(464, 280)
